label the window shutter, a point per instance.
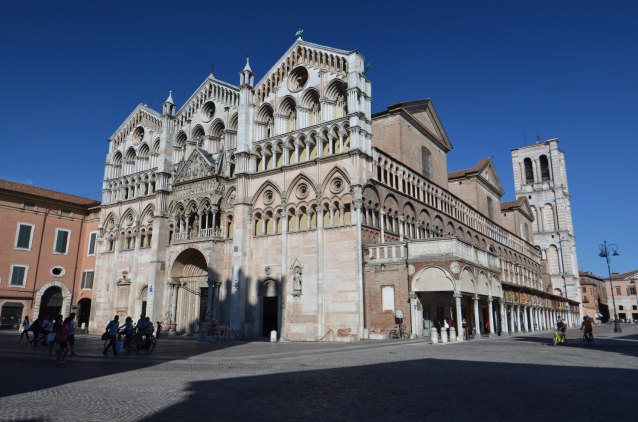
(60, 245)
(17, 276)
(24, 236)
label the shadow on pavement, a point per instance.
(21, 361)
(426, 389)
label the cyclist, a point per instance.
(561, 329)
(587, 325)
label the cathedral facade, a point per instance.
(270, 206)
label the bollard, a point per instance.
(443, 335)
(273, 336)
(434, 336)
(452, 334)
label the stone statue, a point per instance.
(296, 282)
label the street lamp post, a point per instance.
(633, 281)
(605, 250)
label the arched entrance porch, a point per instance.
(433, 299)
(52, 299)
(189, 289)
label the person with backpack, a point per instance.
(112, 329)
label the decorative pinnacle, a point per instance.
(299, 34)
(247, 67)
(170, 97)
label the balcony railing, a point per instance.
(452, 248)
(203, 234)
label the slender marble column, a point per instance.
(477, 326)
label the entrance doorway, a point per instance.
(51, 303)
(84, 312)
(269, 308)
(11, 316)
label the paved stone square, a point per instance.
(504, 378)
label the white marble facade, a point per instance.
(241, 206)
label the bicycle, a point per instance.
(139, 344)
(588, 337)
(558, 338)
(399, 332)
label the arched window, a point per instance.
(544, 168)
(548, 218)
(529, 173)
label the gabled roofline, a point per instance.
(140, 106)
(475, 172)
(297, 43)
(402, 109)
(209, 78)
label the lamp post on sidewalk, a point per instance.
(632, 280)
(605, 250)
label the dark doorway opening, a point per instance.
(84, 313)
(51, 303)
(269, 316)
(11, 316)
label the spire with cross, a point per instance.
(299, 34)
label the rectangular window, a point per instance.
(617, 291)
(92, 239)
(65, 213)
(29, 206)
(87, 280)
(631, 291)
(387, 294)
(584, 289)
(61, 241)
(24, 236)
(18, 275)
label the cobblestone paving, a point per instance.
(503, 378)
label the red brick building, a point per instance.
(47, 253)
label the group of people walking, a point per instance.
(142, 331)
(52, 332)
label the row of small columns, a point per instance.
(319, 213)
(297, 145)
(535, 319)
(181, 221)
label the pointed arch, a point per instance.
(264, 186)
(294, 196)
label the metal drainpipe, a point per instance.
(37, 264)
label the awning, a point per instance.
(12, 305)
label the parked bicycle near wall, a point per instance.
(399, 332)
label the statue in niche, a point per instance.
(296, 282)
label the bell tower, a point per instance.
(540, 174)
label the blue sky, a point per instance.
(499, 73)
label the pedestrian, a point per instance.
(487, 326)
(127, 329)
(25, 329)
(36, 327)
(63, 340)
(464, 325)
(159, 329)
(56, 327)
(72, 334)
(47, 326)
(446, 326)
(112, 330)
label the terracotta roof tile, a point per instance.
(46, 193)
